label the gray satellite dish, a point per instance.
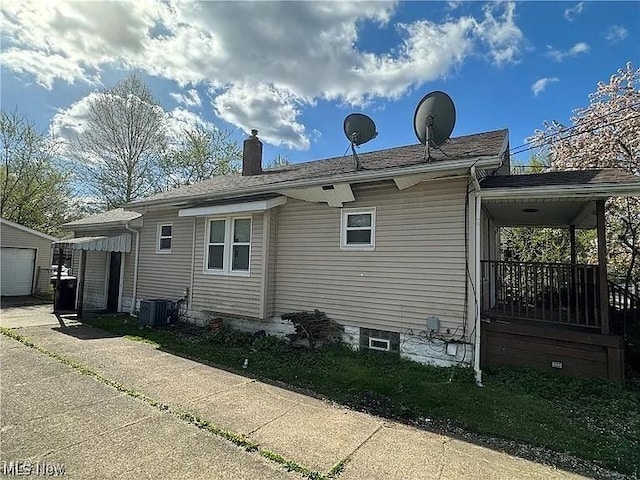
(434, 120)
(359, 129)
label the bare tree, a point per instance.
(34, 189)
(201, 154)
(606, 134)
(120, 147)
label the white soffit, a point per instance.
(334, 195)
(119, 243)
(241, 207)
(407, 181)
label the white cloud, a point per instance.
(615, 34)
(180, 119)
(560, 55)
(67, 123)
(540, 85)
(290, 54)
(241, 104)
(573, 12)
(190, 98)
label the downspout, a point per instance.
(477, 279)
(135, 267)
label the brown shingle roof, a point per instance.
(568, 177)
(470, 146)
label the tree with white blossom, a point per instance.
(605, 134)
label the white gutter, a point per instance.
(354, 177)
(135, 267)
(476, 350)
(477, 277)
(561, 191)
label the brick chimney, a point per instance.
(252, 155)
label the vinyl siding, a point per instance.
(16, 238)
(229, 294)
(95, 289)
(129, 265)
(164, 275)
(417, 269)
(272, 264)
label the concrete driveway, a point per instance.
(107, 407)
(16, 312)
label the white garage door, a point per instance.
(16, 268)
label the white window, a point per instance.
(358, 229)
(228, 245)
(165, 233)
(379, 344)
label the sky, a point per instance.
(295, 70)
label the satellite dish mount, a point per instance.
(433, 121)
(359, 129)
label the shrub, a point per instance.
(314, 327)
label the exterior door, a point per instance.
(113, 291)
(17, 265)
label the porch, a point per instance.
(550, 315)
(565, 317)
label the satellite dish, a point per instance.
(359, 129)
(434, 120)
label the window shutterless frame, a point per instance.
(164, 238)
(358, 229)
(379, 344)
(228, 246)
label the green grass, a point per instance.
(592, 419)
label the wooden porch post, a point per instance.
(572, 239)
(602, 268)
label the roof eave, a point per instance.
(352, 177)
(29, 230)
(88, 226)
(601, 190)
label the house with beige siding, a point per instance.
(403, 253)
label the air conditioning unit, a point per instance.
(155, 312)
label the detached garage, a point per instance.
(23, 250)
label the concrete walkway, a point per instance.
(310, 432)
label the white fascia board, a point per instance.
(563, 191)
(361, 176)
(243, 207)
(28, 230)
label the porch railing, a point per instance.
(624, 310)
(546, 292)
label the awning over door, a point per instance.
(119, 243)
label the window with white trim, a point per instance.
(379, 344)
(358, 229)
(165, 238)
(228, 248)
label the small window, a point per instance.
(379, 344)
(358, 229)
(165, 233)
